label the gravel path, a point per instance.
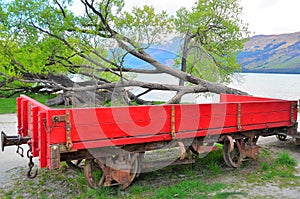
(9, 159)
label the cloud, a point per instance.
(264, 16)
(272, 16)
(169, 5)
(265, 3)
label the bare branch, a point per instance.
(53, 35)
(104, 59)
(61, 8)
(177, 97)
(143, 93)
(102, 18)
(94, 77)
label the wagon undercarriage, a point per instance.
(118, 166)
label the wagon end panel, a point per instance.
(31, 117)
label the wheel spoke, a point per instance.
(93, 173)
(232, 158)
(134, 169)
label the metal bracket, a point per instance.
(66, 119)
(173, 131)
(54, 157)
(182, 150)
(239, 126)
(293, 106)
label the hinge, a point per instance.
(66, 119)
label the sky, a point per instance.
(263, 16)
(272, 16)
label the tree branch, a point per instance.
(61, 8)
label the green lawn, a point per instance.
(8, 105)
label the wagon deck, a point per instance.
(115, 138)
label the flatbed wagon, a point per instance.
(113, 140)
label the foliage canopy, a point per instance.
(42, 41)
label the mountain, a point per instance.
(271, 54)
(166, 53)
(261, 54)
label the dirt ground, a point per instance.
(12, 164)
(270, 189)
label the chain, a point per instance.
(45, 126)
(31, 165)
(20, 150)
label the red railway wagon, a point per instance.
(115, 139)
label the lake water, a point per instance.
(281, 86)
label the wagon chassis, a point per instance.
(119, 164)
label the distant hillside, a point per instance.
(262, 54)
(271, 54)
(165, 53)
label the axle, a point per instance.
(12, 140)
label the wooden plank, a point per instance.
(24, 118)
(43, 145)
(34, 130)
(19, 114)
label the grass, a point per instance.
(194, 188)
(8, 105)
(280, 169)
(285, 160)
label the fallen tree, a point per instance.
(44, 43)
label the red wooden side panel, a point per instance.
(111, 123)
(120, 122)
(135, 122)
(204, 116)
(264, 113)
